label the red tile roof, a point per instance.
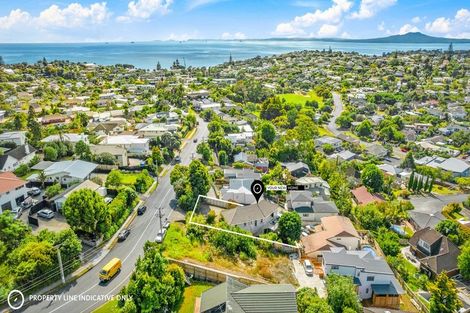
(8, 182)
(363, 196)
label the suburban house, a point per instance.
(59, 200)
(133, 144)
(248, 158)
(156, 130)
(12, 191)
(255, 218)
(119, 153)
(457, 167)
(53, 119)
(262, 165)
(310, 209)
(362, 196)
(18, 137)
(230, 173)
(238, 190)
(71, 138)
(328, 140)
(343, 156)
(435, 252)
(371, 274)
(390, 170)
(316, 185)
(377, 150)
(333, 232)
(13, 158)
(66, 173)
(108, 128)
(297, 169)
(233, 296)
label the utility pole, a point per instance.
(160, 215)
(59, 257)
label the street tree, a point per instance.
(444, 297)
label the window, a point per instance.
(305, 215)
(423, 244)
(370, 278)
(367, 290)
(335, 267)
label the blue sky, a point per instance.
(141, 20)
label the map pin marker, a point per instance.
(257, 189)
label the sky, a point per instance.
(144, 20)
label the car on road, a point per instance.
(308, 267)
(111, 269)
(160, 235)
(141, 210)
(46, 213)
(177, 159)
(124, 234)
(166, 225)
(35, 191)
(195, 140)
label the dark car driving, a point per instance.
(124, 234)
(141, 210)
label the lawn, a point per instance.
(128, 178)
(295, 98)
(323, 131)
(443, 191)
(178, 246)
(190, 295)
(108, 307)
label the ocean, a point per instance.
(191, 53)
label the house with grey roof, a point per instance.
(311, 209)
(230, 173)
(377, 150)
(13, 158)
(297, 169)
(67, 172)
(457, 167)
(233, 296)
(255, 218)
(316, 185)
(59, 200)
(371, 274)
(321, 141)
(18, 137)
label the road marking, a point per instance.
(135, 246)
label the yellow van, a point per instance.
(110, 270)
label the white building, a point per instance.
(239, 190)
(19, 137)
(65, 172)
(133, 144)
(12, 191)
(72, 138)
(156, 130)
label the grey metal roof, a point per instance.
(76, 168)
(248, 213)
(358, 259)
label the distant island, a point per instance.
(415, 37)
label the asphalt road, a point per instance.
(143, 228)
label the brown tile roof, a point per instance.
(331, 226)
(363, 196)
(8, 182)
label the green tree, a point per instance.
(328, 148)
(82, 150)
(342, 294)
(370, 216)
(50, 154)
(53, 190)
(205, 150)
(444, 298)
(22, 170)
(223, 157)
(344, 120)
(113, 179)
(199, 178)
(372, 177)
(308, 301)
(364, 129)
(12, 231)
(155, 286)
(86, 211)
(290, 227)
(464, 261)
(411, 181)
(388, 241)
(409, 161)
(267, 132)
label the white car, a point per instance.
(308, 267)
(46, 213)
(160, 235)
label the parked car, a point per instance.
(308, 267)
(124, 234)
(177, 159)
(141, 210)
(166, 225)
(35, 191)
(46, 213)
(27, 203)
(17, 212)
(195, 140)
(160, 235)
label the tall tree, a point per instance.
(342, 294)
(464, 261)
(199, 178)
(444, 298)
(372, 177)
(290, 227)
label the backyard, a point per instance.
(295, 98)
(190, 295)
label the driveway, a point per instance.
(308, 281)
(410, 257)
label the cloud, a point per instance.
(408, 28)
(144, 9)
(16, 17)
(368, 8)
(328, 30)
(416, 19)
(72, 16)
(381, 26)
(332, 16)
(457, 26)
(229, 36)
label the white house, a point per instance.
(12, 191)
(255, 218)
(13, 158)
(156, 130)
(119, 153)
(18, 137)
(59, 200)
(133, 144)
(67, 172)
(371, 273)
(239, 190)
(71, 138)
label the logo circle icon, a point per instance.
(11, 296)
